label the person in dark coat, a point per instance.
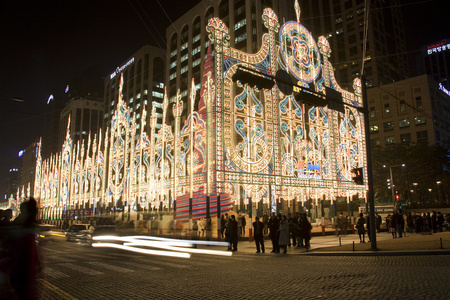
(233, 228)
(283, 239)
(274, 224)
(360, 226)
(305, 230)
(378, 221)
(258, 228)
(393, 225)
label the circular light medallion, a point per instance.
(299, 52)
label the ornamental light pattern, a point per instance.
(242, 141)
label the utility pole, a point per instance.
(370, 192)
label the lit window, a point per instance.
(419, 120)
(157, 94)
(241, 38)
(419, 103)
(131, 100)
(403, 123)
(184, 70)
(402, 106)
(172, 76)
(173, 53)
(196, 62)
(173, 65)
(375, 142)
(340, 30)
(389, 140)
(196, 38)
(373, 128)
(138, 96)
(386, 108)
(240, 24)
(145, 92)
(405, 137)
(372, 112)
(388, 126)
(184, 57)
(184, 46)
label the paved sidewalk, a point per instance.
(412, 244)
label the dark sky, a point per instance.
(45, 43)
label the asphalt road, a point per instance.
(76, 271)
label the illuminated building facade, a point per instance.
(242, 142)
(409, 111)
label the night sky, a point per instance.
(46, 43)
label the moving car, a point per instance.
(78, 232)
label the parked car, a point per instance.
(78, 232)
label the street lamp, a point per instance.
(392, 182)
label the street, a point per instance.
(76, 271)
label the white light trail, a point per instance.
(140, 250)
(132, 243)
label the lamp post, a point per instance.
(394, 201)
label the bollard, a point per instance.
(353, 246)
(340, 241)
(323, 230)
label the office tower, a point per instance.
(143, 86)
(434, 60)
(409, 111)
(342, 23)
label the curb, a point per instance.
(379, 253)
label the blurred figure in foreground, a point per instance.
(20, 263)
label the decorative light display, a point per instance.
(242, 142)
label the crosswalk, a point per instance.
(96, 264)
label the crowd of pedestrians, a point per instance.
(284, 231)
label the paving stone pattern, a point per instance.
(73, 271)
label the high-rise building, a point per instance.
(143, 85)
(409, 111)
(343, 24)
(86, 115)
(187, 38)
(434, 60)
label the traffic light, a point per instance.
(358, 178)
(252, 79)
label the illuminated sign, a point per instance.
(120, 69)
(50, 99)
(21, 153)
(67, 89)
(442, 88)
(439, 47)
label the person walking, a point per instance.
(283, 239)
(243, 223)
(233, 227)
(258, 235)
(360, 226)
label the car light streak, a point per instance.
(209, 243)
(189, 250)
(132, 243)
(144, 251)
